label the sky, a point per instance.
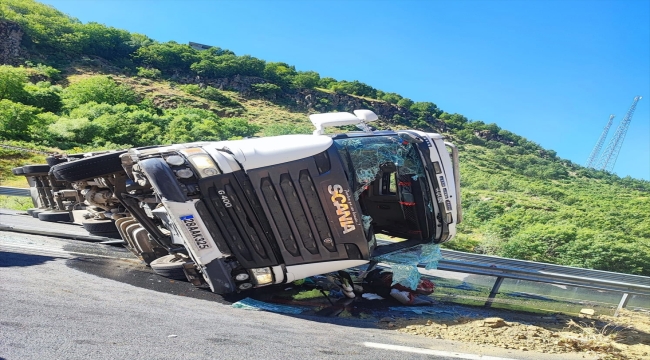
(551, 71)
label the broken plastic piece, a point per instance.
(430, 256)
(252, 304)
(367, 222)
(371, 296)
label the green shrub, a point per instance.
(266, 88)
(280, 73)
(306, 79)
(16, 120)
(227, 65)
(168, 57)
(405, 102)
(189, 124)
(100, 89)
(150, 73)
(12, 83)
(210, 93)
(45, 96)
(52, 73)
(355, 88)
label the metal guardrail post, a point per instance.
(622, 304)
(494, 292)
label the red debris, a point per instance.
(407, 203)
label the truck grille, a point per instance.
(239, 229)
(276, 215)
(291, 200)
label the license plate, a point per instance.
(195, 232)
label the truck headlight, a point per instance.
(202, 162)
(262, 276)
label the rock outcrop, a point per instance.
(11, 36)
(316, 101)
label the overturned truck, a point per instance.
(235, 215)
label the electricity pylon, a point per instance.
(593, 157)
(608, 159)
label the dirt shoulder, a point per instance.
(599, 337)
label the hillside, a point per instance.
(68, 86)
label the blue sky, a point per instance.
(552, 71)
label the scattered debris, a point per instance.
(252, 304)
(382, 283)
(404, 263)
(371, 296)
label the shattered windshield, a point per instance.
(388, 179)
(364, 157)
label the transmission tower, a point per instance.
(593, 157)
(608, 159)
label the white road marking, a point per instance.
(433, 352)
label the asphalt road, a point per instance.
(66, 299)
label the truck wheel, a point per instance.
(54, 216)
(99, 226)
(170, 267)
(41, 169)
(89, 168)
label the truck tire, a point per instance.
(99, 227)
(35, 212)
(51, 160)
(40, 169)
(170, 267)
(89, 168)
(18, 171)
(54, 216)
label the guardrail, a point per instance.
(503, 268)
(14, 191)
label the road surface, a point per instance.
(67, 299)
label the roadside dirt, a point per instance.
(599, 337)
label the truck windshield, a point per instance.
(388, 178)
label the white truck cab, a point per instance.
(262, 211)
